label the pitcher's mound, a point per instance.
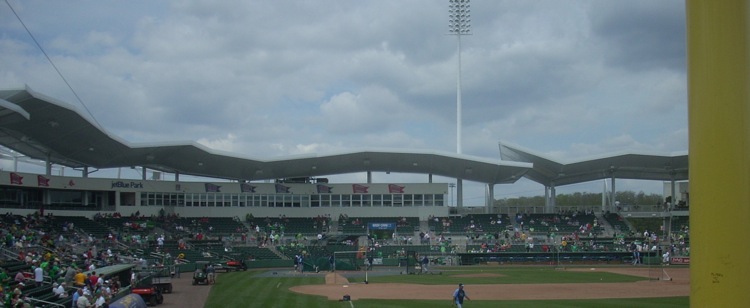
(334, 278)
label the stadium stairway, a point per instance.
(278, 253)
(423, 226)
(7, 254)
(608, 230)
(333, 227)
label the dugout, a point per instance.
(347, 260)
(119, 272)
(412, 264)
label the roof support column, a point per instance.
(48, 165)
(719, 133)
(429, 178)
(369, 177)
(490, 200)
(552, 201)
(612, 195)
(143, 173)
(85, 172)
(459, 193)
(177, 176)
(674, 198)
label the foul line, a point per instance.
(278, 285)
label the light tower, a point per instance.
(459, 23)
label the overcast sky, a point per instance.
(267, 79)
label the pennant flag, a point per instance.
(281, 189)
(395, 189)
(71, 183)
(247, 188)
(324, 189)
(212, 188)
(359, 189)
(42, 181)
(177, 187)
(16, 179)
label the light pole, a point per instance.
(459, 23)
(451, 185)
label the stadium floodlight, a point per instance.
(459, 23)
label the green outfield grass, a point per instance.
(245, 289)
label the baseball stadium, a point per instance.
(205, 228)
(288, 226)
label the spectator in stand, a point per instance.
(4, 278)
(59, 290)
(80, 279)
(84, 301)
(38, 276)
(70, 274)
(93, 279)
(20, 277)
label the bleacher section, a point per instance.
(256, 253)
(680, 223)
(290, 226)
(129, 226)
(475, 234)
(474, 223)
(44, 292)
(559, 223)
(212, 225)
(89, 226)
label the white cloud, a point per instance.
(268, 79)
(226, 144)
(369, 110)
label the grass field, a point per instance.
(246, 289)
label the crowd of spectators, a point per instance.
(52, 256)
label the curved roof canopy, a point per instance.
(642, 166)
(43, 128)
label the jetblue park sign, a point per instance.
(123, 184)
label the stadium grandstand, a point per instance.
(267, 212)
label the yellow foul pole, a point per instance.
(719, 151)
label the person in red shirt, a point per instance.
(93, 279)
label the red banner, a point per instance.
(16, 179)
(395, 189)
(359, 189)
(42, 181)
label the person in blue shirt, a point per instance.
(459, 295)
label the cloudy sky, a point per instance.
(267, 79)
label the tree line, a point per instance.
(585, 199)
